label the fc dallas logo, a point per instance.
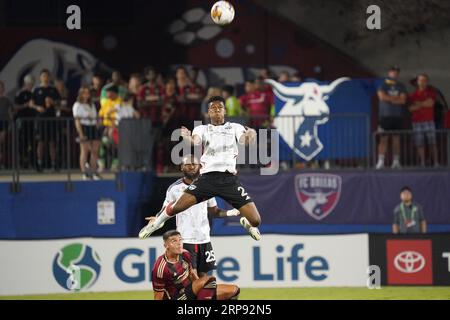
(318, 193)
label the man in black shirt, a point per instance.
(44, 90)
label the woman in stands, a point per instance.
(86, 123)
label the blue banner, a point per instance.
(329, 120)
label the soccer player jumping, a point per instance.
(218, 172)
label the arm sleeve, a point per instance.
(381, 87)
(198, 131)
(169, 197)
(76, 110)
(212, 202)
(397, 215)
(239, 130)
(158, 283)
(421, 215)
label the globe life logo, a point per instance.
(76, 267)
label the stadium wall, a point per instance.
(54, 266)
(44, 210)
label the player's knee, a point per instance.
(236, 292)
(255, 221)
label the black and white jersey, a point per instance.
(220, 146)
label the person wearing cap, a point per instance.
(408, 215)
(392, 97)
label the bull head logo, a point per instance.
(305, 108)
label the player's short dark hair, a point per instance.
(406, 188)
(170, 233)
(228, 88)
(45, 71)
(216, 98)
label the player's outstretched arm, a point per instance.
(190, 139)
(249, 136)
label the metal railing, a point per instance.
(30, 145)
(406, 144)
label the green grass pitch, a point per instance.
(330, 293)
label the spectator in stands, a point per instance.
(24, 96)
(86, 124)
(108, 107)
(193, 77)
(149, 97)
(96, 90)
(232, 105)
(190, 94)
(44, 90)
(256, 104)
(63, 109)
(134, 84)
(422, 108)
(408, 215)
(126, 110)
(24, 114)
(108, 113)
(284, 77)
(392, 97)
(440, 106)
(6, 112)
(170, 95)
(116, 80)
(47, 133)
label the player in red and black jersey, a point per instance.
(173, 277)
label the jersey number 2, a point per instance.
(243, 193)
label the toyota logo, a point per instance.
(409, 262)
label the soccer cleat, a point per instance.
(149, 229)
(253, 231)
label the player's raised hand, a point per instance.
(250, 134)
(185, 132)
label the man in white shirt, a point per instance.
(218, 173)
(193, 223)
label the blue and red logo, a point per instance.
(318, 193)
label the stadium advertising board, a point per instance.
(412, 259)
(87, 264)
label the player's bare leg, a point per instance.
(184, 202)
(251, 219)
(205, 288)
(227, 292)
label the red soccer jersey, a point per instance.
(148, 90)
(169, 277)
(423, 114)
(257, 103)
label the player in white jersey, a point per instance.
(218, 174)
(193, 223)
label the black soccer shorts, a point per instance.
(219, 184)
(203, 258)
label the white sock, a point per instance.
(381, 158)
(162, 218)
(396, 158)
